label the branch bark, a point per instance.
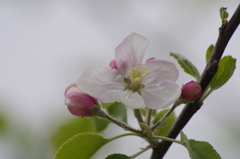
(225, 33)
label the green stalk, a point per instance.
(122, 124)
(138, 115)
(98, 111)
(165, 116)
(123, 135)
(140, 152)
(167, 139)
(148, 116)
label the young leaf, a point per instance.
(226, 68)
(209, 52)
(116, 110)
(147, 129)
(117, 156)
(81, 146)
(166, 125)
(69, 129)
(187, 66)
(223, 13)
(199, 149)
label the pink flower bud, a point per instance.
(113, 64)
(191, 91)
(79, 103)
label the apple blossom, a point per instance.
(79, 103)
(191, 91)
(127, 80)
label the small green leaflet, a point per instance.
(199, 149)
(209, 52)
(225, 71)
(187, 66)
(81, 146)
(147, 129)
(223, 13)
(117, 156)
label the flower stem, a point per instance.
(122, 135)
(165, 116)
(138, 115)
(140, 152)
(122, 124)
(148, 116)
(167, 139)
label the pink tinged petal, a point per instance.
(98, 80)
(128, 98)
(130, 53)
(71, 87)
(152, 58)
(162, 95)
(79, 111)
(113, 64)
(80, 100)
(160, 70)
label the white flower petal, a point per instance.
(130, 53)
(97, 80)
(162, 95)
(160, 70)
(128, 98)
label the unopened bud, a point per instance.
(191, 91)
(79, 103)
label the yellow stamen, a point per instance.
(136, 77)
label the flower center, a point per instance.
(136, 77)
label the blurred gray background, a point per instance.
(45, 44)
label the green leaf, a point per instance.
(81, 146)
(99, 124)
(209, 52)
(166, 125)
(187, 66)
(184, 139)
(226, 68)
(199, 149)
(3, 124)
(223, 13)
(69, 129)
(116, 110)
(117, 156)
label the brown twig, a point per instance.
(225, 33)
